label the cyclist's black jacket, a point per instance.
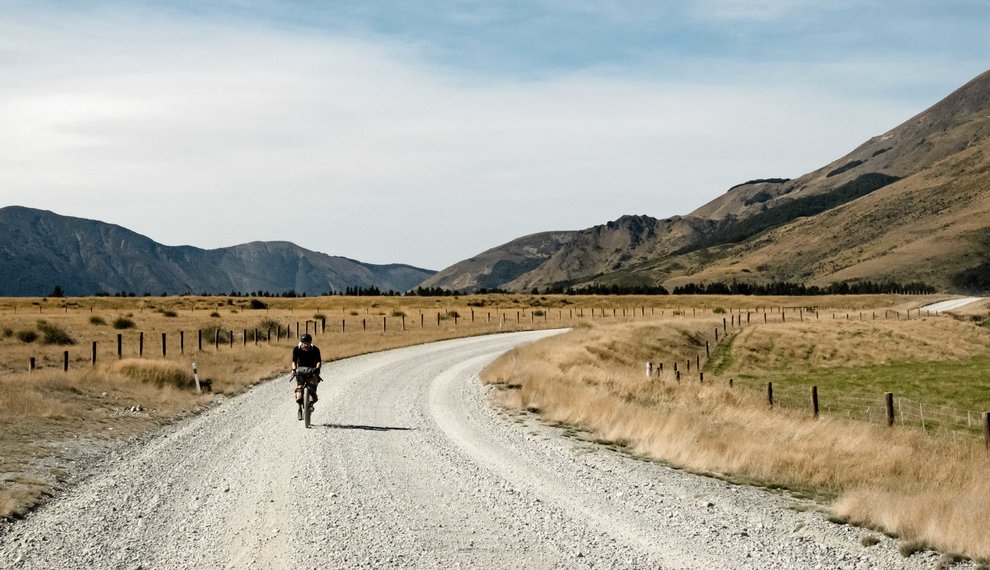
(309, 358)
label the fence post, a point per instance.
(708, 350)
(182, 342)
(701, 377)
(770, 394)
(716, 334)
(244, 341)
(141, 344)
(384, 324)
(164, 349)
(649, 369)
(65, 361)
(231, 338)
(120, 345)
(889, 401)
(677, 374)
(216, 338)
(256, 337)
(814, 400)
(364, 323)
(200, 335)
(31, 364)
(196, 377)
(94, 353)
(986, 429)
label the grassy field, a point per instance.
(928, 490)
(49, 417)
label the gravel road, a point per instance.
(409, 465)
(950, 305)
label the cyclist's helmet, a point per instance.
(306, 338)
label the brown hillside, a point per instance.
(908, 205)
(927, 227)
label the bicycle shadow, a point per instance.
(362, 427)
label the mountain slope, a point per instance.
(39, 249)
(495, 267)
(907, 205)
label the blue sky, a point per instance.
(426, 132)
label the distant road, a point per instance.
(950, 305)
(409, 465)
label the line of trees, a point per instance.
(799, 289)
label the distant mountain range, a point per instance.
(910, 205)
(40, 249)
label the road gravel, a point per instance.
(408, 465)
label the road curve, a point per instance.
(409, 466)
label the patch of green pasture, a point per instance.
(722, 357)
(962, 384)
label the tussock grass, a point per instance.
(924, 489)
(157, 372)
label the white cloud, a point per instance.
(213, 135)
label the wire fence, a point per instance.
(906, 412)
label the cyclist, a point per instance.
(306, 355)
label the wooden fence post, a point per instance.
(986, 429)
(196, 378)
(31, 364)
(649, 369)
(701, 377)
(141, 344)
(770, 394)
(364, 323)
(182, 342)
(200, 335)
(384, 324)
(94, 353)
(164, 345)
(65, 361)
(708, 350)
(120, 345)
(814, 400)
(244, 341)
(231, 338)
(889, 401)
(216, 338)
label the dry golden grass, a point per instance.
(826, 343)
(919, 487)
(44, 411)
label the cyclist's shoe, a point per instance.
(311, 408)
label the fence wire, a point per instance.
(932, 418)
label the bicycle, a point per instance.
(306, 381)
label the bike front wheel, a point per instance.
(307, 406)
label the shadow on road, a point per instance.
(361, 427)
